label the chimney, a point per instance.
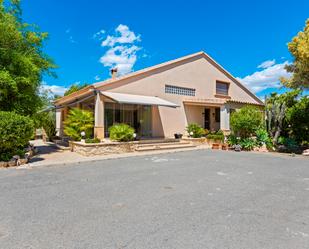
(114, 72)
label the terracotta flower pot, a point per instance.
(224, 146)
(215, 146)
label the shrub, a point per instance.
(15, 133)
(262, 137)
(246, 121)
(92, 140)
(196, 130)
(232, 140)
(206, 132)
(216, 135)
(288, 145)
(220, 132)
(298, 118)
(47, 121)
(77, 121)
(248, 143)
(121, 132)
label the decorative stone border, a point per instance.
(13, 163)
(202, 140)
(107, 148)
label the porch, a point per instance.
(211, 114)
(109, 108)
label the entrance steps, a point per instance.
(166, 144)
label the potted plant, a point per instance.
(178, 135)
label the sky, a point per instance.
(87, 38)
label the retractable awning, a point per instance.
(123, 98)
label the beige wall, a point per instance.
(197, 73)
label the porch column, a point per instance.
(224, 118)
(99, 117)
(59, 122)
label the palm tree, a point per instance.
(77, 121)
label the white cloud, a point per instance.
(122, 50)
(68, 31)
(267, 64)
(53, 89)
(123, 35)
(266, 78)
(121, 57)
(99, 34)
(97, 77)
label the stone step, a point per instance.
(158, 141)
(165, 147)
(162, 144)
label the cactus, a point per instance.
(275, 115)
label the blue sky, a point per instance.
(87, 38)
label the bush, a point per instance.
(298, 118)
(77, 121)
(288, 145)
(232, 140)
(121, 132)
(246, 121)
(216, 135)
(92, 140)
(248, 143)
(262, 137)
(47, 121)
(196, 130)
(15, 133)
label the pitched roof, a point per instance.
(159, 66)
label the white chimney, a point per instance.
(114, 73)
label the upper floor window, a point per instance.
(222, 88)
(179, 90)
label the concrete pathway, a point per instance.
(49, 154)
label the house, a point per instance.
(162, 100)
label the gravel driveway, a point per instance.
(194, 199)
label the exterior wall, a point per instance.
(197, 73)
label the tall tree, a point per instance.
(299, 48)
(74, 88)
(22, 61)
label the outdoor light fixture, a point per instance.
(83, 134)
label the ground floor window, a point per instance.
(137, 116)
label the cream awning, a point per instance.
(124, 98)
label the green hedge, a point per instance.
(15, 133)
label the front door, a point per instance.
(207, 119)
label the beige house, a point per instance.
(162, 100)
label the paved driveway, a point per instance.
(194, 199)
